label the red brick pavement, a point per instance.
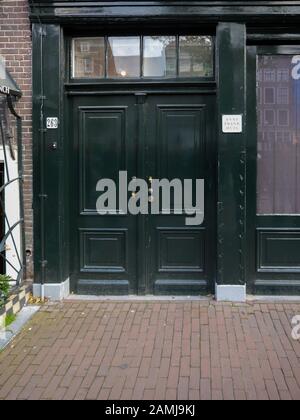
(155, 350)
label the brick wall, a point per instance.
(15, 47)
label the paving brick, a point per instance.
(205, 389)
(240, 395)
(138, 390)
(95, 388)
(217, 395)
(272, 390)
(183, 388)
(117, 389)
(127, 394)
(228, 391)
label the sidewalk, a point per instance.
(154, 350)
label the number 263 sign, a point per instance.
(52, 123)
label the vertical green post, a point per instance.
(47, 151)
(231, 68)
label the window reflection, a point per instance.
(195, 56)
(278, 161)
(124, 57)
(88, 58)
(160, 56)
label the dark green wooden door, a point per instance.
(104, 258)
(180, 145)
(149, 136)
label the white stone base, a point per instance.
(56, 291)
(230, 293)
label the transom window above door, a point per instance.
(134, 57)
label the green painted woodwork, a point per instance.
(231, 41)
(102, 143)
(47, 154)
(253, 11)
(180, 143)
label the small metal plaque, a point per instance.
(232, 124)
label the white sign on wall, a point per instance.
(232, 124)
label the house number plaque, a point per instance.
(52, 123)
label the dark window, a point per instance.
(278, 161)
(270, 96)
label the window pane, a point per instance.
(196, 56)
(278, 161)
(124, 57)
(160, 56)
(88, 58)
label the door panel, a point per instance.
(101, 155)
(104, 145)
(180, 146)
(181, 250)
(180, 141)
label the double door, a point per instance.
(148, 136)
